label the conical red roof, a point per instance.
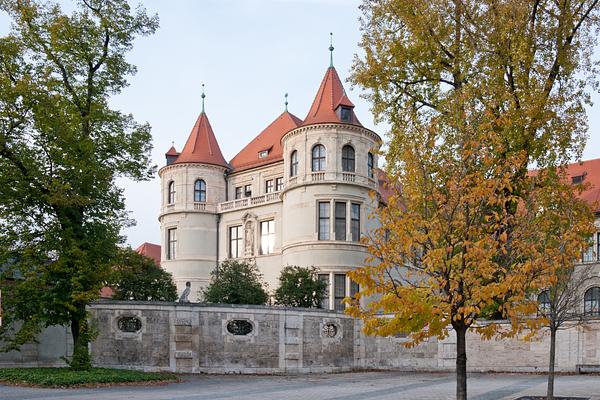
(202, 146)
(172, 152)
(330, 96)
(268, 140)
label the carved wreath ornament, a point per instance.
(330, 330)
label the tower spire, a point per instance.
(286, 101)
(331, 48)
(203, 96)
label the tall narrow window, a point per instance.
(325, 301)
(370, 162)
(171, 243)
(171, 195)
(588, 254)
(591, 301)
(200, 191)
(354, 288)
(294, 163)
(248, 191)
(267, 237)
(544, 302)
(235, 241)
(269, 186)
(339, 291)
(348, 158)
(598, 246)
(323, 220)
(355, 221)
(340, 221)
(279, 184)
(318, 158)
(238, 192)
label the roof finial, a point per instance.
(203, 96)
(172, 143)
(331, 49)
(286, 102)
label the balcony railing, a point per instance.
(332, 177)
(249, 202)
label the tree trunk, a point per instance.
(461, 362)
(75, 331)
(550, 392)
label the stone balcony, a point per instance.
(246, 202)
(332, 177)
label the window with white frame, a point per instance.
(318, 158)
(340, 220)
(325, 301)
(171, 243)
(267, 236)
(238, 192)
(294, 163)
(235, 241)
(279, 184)
(355, 221)
(200, 191)
(323, 220)
(269, 186)
(247, 190)
(339, 291)
(171, 193)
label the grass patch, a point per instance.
(64, 377)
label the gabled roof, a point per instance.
(590, 170)
(268, 140)
(150, 250)
(330, 96)
(201, 146)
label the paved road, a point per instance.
(347, 386)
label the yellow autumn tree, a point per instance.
(476, 92)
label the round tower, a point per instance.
(330, 171)
(192, 184)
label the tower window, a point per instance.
(325, 301)
(235, 241)
(340, 221)
(370, 163)
(339, 291)
(591, 301)
(355, 221)
(171, 243)
(348, 158)
(294, 163)
(345, 114)
(200, 191)
(318, 158)
(267, 237)
(171, 194)
(323, 224)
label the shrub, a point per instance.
(300, 287)
(236, 282)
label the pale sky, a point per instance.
(248, 53)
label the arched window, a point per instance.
(348, 158)
(370, 162)
(318, 158)
(294, 163)
(200, 191)
(544, 302)
(171, 195)
(591, 301)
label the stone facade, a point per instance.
(195, 338)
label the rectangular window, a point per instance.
(235, 241)
(339, 291)
(355, 222)
(325, 301)
(172, 243)
(267, 237)
(279, 184)
(269, 186)
(354, 288)
(238, 192)
(323, 220)
(345, 114)
(248, 191)
(588, 254)
(340, 221)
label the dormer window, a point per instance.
(263, 153)
(345, 114)
(577, 179)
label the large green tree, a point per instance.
(236, 282)
(476, 92)
(300, 287)
(137, 277)
(61, 148)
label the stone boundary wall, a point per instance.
(52, 345)
(197, 338)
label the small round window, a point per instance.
(330, 330)
(239, 327)
(129, 324)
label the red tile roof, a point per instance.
(330, 96)
(590, 170)
(150, 250)
(172, 152)
(269, 139)
(201, 146)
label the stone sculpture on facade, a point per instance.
(184, 296)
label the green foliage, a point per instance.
(300, 287)
(236, 282)
(61, 377)
(61, 149)
(136, 277)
